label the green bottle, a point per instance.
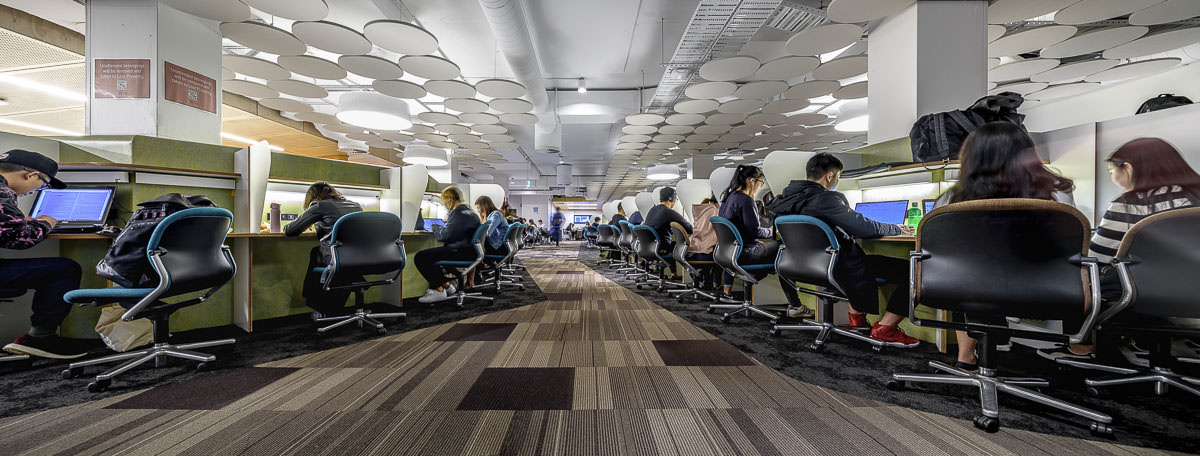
(913, 217)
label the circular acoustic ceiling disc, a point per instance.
(1063, 90)
(994, 32)
(1023, 88)
(481, 119)
(217, 10)
(1021, 69)
(461, 138)
(398, 88)
(1030, 40)
(684, 119)
(395, 136)
(634, 138)
(812, 89)
(725, 118)
(819, 130)
(341, 128)
(787, 67)
(747, 130)
(430, 137)
(1168, 11)
(634, 129)
(370, 66)
(696, 106)
(766, 119)
(1074, 71)
(785, 106)
(444, 145)
(628, 152)
(841, 68)
(421, 128)
(497, 138)
(285, 104)
(299, 88)
(471, 144)
(519, 118)
(993, 62)
(401, 38)
(991, 85)
(636, 145)
(807, 118)
(500, 88)
(361, 135)
(262, 37)
(660, 146)
(488, 129)
(852, 91)
(254, 67)
(1155, 43)
(729, 68)
(740, 106)
(1134, 69)
(1006, 11)
(328, 36)
(381, 144)
(296, 10)
(312, 66)
(437, 117)
(710, 90)
(645, 119)
(454, 129)
(430, 67)
(227, 74)
(854, 11)
(712, 129)
(675, 129)
(1099, 40)
(450, 89)
(249, 88)
(700, 138)
(761, 89)
(316, 117)
(511, 105)
(1098, 10)
(466, 105)
(822, 39)
(668, 138)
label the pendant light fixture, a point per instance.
(374, 111)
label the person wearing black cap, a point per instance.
(659, 219)
(24, 172)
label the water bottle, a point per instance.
(274, 218)
(913, 217)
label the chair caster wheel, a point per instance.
(711, 310)
(381, 331)
(1094, 392)
(1102, 430)
(877, 348)
(816, 347)
(899, 385)
(206, 366)
(98, 386)
(987, 423)
(320, 334)
(68, 374)
(725, 319)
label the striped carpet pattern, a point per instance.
(594, 370)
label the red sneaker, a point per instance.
(892, 336)
(858, 321)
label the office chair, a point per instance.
(1020, 258)
(361, 244)
(7, 295)
(499, 280)
(1156, 262)
(608, 244)
(726, 254)
(508, 268)
(458, 268)
(647, 249)
(808, 255)
(589, 237)
(680, 255)
(187, 252)
(626, 242)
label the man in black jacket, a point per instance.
(856, 271)
(659, 219)
(620, 215)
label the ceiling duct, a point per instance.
(564, 174)
(507, 21)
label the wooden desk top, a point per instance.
(910, 239)
(78, 236)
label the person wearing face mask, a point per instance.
(855, 271)
(23, 172)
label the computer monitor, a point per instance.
(927, 205)
(430, 222)
(891, 212)
(581, 219)
(75, 206)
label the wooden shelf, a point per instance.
(105, 166)
(286, 180)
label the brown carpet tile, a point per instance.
(595, 370)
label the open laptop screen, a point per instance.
(891, 212)
(75, 205)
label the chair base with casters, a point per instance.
(460, 294)
(7, 295)
(498, 279)
(361, 316)
(1158, 373)
(745, 307)
(693, 290)
(824, 325)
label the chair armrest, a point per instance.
(1122, 265)
(1093, 266)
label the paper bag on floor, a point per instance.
(122, 335)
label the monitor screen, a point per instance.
(884, 211)
(929, 205)
(581, 219)
(430, 222)
(74, 204)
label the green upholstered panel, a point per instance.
(287, 166)
(896, 150)
(277, 277)
(71, 154)
(169, 153)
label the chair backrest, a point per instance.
(1161, 256)
(679, 253)
(364, 243)
(647, 242)
(809, 251)
(1011, 257)
(512, 239)
(189, 249)
(479, 238)
(607, 236)
(626, 240)
(729, 248)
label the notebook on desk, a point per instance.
(78, 210)
(891, 212)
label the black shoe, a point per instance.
(47, 347)
(969, 367)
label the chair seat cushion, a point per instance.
(453, 263)
(90, 295)
(757, 267)
(320, 269)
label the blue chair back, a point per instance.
(647, 242)
(729, 248)
(366, 243)
(626, 240)
(809, 251)
(187, 250)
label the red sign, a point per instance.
(122, 78)
(189, 88)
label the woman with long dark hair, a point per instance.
(737, 205)
(495, 235)
(456, 239)
(324, 205)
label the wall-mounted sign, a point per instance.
(121, 78)
(189, 88)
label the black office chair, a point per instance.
(726, 254)
(625, 242)
(362, 244)
(498, 279)
(1004, 258)
(7, 295)
(647, 249)
(589, 237)
(1157, 263)
(808, 255)
(187, 251)
(607, 240)
(458, 268)
(679, 253)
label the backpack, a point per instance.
(126, 263)
(1163, 101)
(938, 136)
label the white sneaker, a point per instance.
(450, 290)
(432, 295)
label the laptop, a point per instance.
(892, 212)
(928, 205)
(431, 222)
(77, 209)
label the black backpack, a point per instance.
(938, 136)
(1163, 101)
(126, 263)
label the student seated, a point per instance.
(660, 217)
(24, 172)
(636, 218)
(495, 244)
(737, 205)
(461, 223)
(324, 205)
(856, 271)
(596, 222)
(704, 241)
(620, 215)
